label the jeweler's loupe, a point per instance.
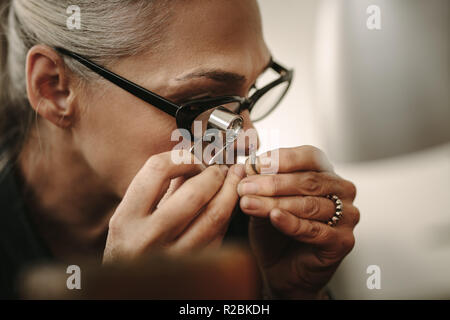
(220, 129)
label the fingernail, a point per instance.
(247, 188)
(224, 169)
(277, 213)
(239, 170)
(251, 203)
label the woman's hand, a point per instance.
(194, 215)
(296, 249)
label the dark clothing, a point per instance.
(21, 246)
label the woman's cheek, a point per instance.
(133, 152)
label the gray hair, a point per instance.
(109, 30)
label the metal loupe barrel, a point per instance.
(224, 119)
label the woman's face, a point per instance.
(209, 48)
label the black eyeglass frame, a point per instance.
(186, 113)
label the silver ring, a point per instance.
(338, 213)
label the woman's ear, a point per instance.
(48, 86)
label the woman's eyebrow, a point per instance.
(216, 75)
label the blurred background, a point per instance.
(378, 103)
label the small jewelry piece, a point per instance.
(252, 158)
(338, 214)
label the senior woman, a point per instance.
(86, 160)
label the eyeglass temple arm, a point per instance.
(279, 68)
(136, 90)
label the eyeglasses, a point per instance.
(262, 100)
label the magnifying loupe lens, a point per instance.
(218, 128)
